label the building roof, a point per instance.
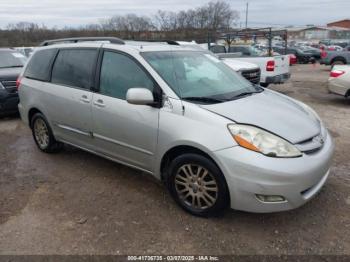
(339, 21)
(330, 28)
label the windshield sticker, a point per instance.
(18, 55)
(212, 58)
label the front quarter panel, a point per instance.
(193, 126)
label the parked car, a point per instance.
(274, 70)
(11, 63)
(302, 57)
(335, 58)
(313, 52)
(249, 71)
(334, 48)
(181, 115)
(246, 50)
(339, 80)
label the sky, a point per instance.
(74, 13)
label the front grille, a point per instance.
(10, 85)
(252, 75)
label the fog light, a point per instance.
(269, 198)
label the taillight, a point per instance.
(323, 54)
(337, 73)
(270, 66)
(18, 82)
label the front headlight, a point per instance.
(261, 141)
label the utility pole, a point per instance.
(246, 16)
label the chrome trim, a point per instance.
(72, 129)
(123, 144)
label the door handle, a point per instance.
(99, 103)
(85, 99)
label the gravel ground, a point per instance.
(77, 203)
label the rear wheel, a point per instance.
(197, 185)
(43, 135)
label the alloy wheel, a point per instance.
(196, 186)
(41, 133)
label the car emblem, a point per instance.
(318, 139)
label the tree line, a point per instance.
(192, 24)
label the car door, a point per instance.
(70, 97)
(121, 130)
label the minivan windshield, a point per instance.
(11, 59)
(199, 76)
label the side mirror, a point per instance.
(139, 96)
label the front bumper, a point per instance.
(296, 179)
(279, 79)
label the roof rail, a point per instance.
(112, 40)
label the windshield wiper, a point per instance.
(247, 93)
(203, 99)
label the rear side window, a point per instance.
(40, 64)
(74, 67)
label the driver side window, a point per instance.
(119, 73)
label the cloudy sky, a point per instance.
(62, 13)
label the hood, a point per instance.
(273, 112)
(237, 65)
(10, 73)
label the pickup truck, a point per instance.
(249, 71)
(335, 58)
(274, 70)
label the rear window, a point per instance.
(11, 59)
(39, 65)
(74, 67)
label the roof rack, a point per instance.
(112, 40)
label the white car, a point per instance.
(339, 80)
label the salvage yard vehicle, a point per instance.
(302, 57)
(182, 115)
(11, 63)
(339, 80)
(249, 71)
(335, 58)
(274, 69)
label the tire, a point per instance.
(197, 185)
(42, 134)
(337, 62)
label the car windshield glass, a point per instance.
(198, 76)
(11, 59)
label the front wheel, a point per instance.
(43, 135)
(198, 185)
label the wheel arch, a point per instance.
(175, 151)
(338, 58)
(31, 113)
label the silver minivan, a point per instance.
(181, 115)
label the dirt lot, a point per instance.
(77, 203)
